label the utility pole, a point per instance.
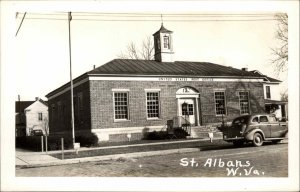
(19, 98)
(71, 81)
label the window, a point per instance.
(268, 92)
(40, 116)
(121, 105)
(263, 119)
(53, 112)
(220, 103)
(255, 120)
(188, 110)
(59, 110)
(78, 106)
(80, 103)
(152, 104)
(272, 119)
(244, 102)
(166, 42)
(241, 120)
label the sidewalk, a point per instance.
(29, 159)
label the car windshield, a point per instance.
(240, 120)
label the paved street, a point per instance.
(265, 161)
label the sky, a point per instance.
(227, 38)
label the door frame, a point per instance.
(191, 93)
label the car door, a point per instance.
(277, 129)
(265, 126)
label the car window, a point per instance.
(272, 119)
(263, 119)
(240, 120)
(255, 120)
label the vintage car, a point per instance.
(257, 129)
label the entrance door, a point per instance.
(187, 110)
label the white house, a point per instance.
(31, 116)
(273, 103)
(36, 116)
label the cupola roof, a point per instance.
(163, 30)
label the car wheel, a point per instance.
(257, 140)
(238, 143)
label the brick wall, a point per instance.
(102, 114)
(60, 118)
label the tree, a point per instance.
(145, 51)
(280, 53)
(284, 96)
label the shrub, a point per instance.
(180, 133)
(156, 135)
(161, 135)
(87, 140)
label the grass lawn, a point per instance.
(132, 149)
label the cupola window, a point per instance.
(166, 42)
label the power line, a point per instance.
(153, 20)
(20, 23)
(154, 17)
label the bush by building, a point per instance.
(87, 140)
(161, 135)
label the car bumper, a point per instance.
(225, 138)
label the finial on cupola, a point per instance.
(163, 44)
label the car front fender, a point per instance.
(250, 134)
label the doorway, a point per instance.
(188, 105)
(187, 110)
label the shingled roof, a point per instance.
(267, 78)
(177, 68)
(132, 67)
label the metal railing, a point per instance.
(181, 122)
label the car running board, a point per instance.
(275, 138)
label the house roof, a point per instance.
(177, 68)
(21, 105)
(276, 102)
(272, 80)
(267, 78)
(163, 30)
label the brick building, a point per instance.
(125, 98)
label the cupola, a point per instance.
(163, 45)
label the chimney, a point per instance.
(94, 66)
(245, 69)
(36, 98)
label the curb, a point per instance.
(110, 157)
